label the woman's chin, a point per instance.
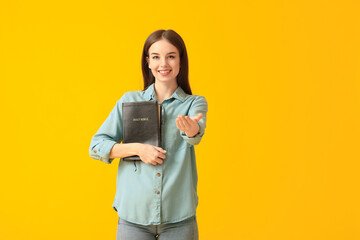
(165, 79)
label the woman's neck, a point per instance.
(164, 90)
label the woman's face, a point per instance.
(164, 61)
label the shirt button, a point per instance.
(158, 174)
(157, 192)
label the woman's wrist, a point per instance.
(137, 147)
(194, 133)
(124, 150)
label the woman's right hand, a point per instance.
(151, 154)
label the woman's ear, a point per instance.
(147, 60)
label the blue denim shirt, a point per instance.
(166, 193)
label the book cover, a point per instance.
(141, 124)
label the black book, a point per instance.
(141, 124)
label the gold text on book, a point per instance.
(140, 119)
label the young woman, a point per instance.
(156, 198)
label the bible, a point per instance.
(141, 124)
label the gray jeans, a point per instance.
(184, 230)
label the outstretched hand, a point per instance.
(188, 125)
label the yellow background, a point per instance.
(280, 157)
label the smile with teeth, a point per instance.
(164, 73)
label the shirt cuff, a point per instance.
(103, 152)
(184, 135)
(194, 140)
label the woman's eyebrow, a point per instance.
(166, 54)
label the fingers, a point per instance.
(188, 122)
(185, 123)
(188, 125)
(197, 117)
(160, 149)
(156, 161)
(159, 156)
(179, 123)
(151, 154)
(178, 126)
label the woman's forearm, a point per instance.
(124, 150)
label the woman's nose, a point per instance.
(163, 62)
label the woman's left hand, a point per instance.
(188, 125)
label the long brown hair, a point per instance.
(182, 78)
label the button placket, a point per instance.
(158, 172)
(157, 191)
(163, 119)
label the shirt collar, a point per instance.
(149, 93)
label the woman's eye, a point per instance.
(156, 57)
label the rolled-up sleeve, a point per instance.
(108, 134)
(199, 105)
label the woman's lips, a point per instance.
(164, 72)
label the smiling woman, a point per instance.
(164, 61)
(159, 200)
